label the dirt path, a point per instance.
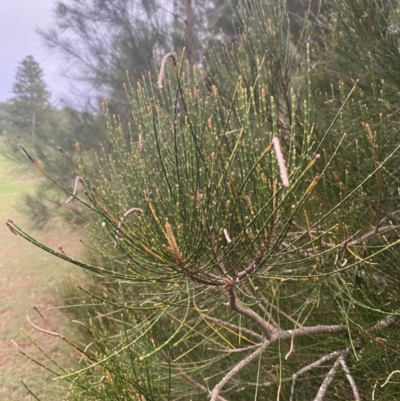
(28, 277)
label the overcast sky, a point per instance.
(18, 39)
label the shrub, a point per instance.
(251, 253)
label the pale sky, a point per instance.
(18, 39)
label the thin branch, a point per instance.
(262, 384)
(369, 235)
(256, 262)
(247, 270)
(243, 363)
(315, 364)
(350, 379)
(393, 216)
(234, 327)
(84, 326)
(190, 379)
(121, 221)
(198, 385)
(237, 306)
(84, 351)
(227, 237)
(215, 250)
(291, 349)
(281, 312)
(231, 351)
(384, 323)
(270, 319)
(327, 381)
(284, 245)
(347, 242)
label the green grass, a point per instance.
(29, 277)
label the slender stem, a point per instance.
(234, 326)
(312, 365)
(350, 379)
(190, 379)
(237, 306)
(243, 363)
(327, 381)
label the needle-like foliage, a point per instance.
(245, 252)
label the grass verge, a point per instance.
(29, 277)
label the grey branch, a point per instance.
(215, 250)
(369, 235)
(384, 323)
(199, 386)
(350, 378)
(270, 319)
(268, 303)
(309, 330)
(244, 362)
(237, 306)
(321, 329)
(313, 365)
(327, 381)
(247, 270)
(191, 380)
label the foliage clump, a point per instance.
(249, 243)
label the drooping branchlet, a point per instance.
(78, 180)
(126, 214)
(162, 68)
(281, 162)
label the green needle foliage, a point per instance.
(241, 258)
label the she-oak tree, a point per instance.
(248, 253)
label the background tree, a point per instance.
(30, 101)
(29, 114)
(103, 41)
